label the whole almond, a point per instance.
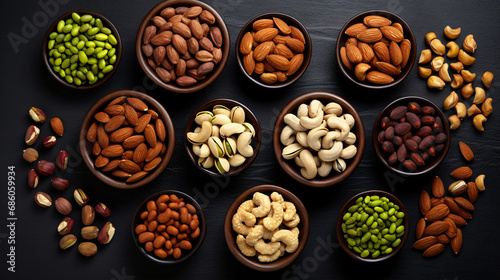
(459, 221)
(464, 203)
(392, 33)
(216, 36)
(102, 137)
(113, 151)
(466, 151)
(158, 21)
(437, 212)
(163, 74)
(355, 29)
(262, 50)
(266, 34)
(217, 55)
(159, 54)
(114, 110)
(378, 77)
(181, 29)
(376, 21)
(193, 12)
(279, 62)
(396, 54)
(149, 33)
(129, 166)
(140, 153)
(452, 205)
(206, 44)
(382, 52)
(295, 64)
(420, 228)
(121, 134)
(283, 50)
(150, 134)
(437, 187)
(424, 202)
(101, 161)
(246, 43)
(133, 141)
(461, 173)
(153, 153)
(114, 123)
(366, 52)
(57, 126)
(345, 60)
(269, 78)
(160, 130)
(424, 243)
(456, 242)
(436, 228)
(204, 56)
(262, 24)
(111, 165)
(370, 35)
(297, 34)
(436, 201)
(185, 81)
(196, 29)
(137, 176)
(179, 44)
(465, 214)
(152, 164)
(353, 54)
(207, 17)
(88, 215)
(295, 45)
(434, 250)
(387, 68)
(92, 132)
(443, 238)
(249, 63)
(452, 229)
(405, 47)
(161, 39)
(130, 114)
(282, 26)
(472, 191)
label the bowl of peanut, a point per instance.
(273, 50)
(376, 49)
(266, 242)
(168, 227)
(183, 45)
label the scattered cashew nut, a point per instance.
(245, 249)
(289, 238)
(263, 205)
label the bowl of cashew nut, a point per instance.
(319, 139)
(266, 228)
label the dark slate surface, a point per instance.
(25, 82)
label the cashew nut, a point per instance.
(342, 125)
(202, 135)
(309, 170)
(236, 160)
(295, 231)
(478, 121)
(220, 119)
(238, 223)
(349, 152)
(349, 119)
(311, 123)
(317, 161)
(298, 162)
(282, 249)
(243, 144)
(203, 116)
(245, 249)
(302, 111)
(351, 139)
(277, 197)
(264, 205)
(246, 206)
(237, 114)
(255, 235)
(267, 248)
(273, 222)
(290, 210)
(333, 108)
(291, 151)
(270, 258)
(289, 238)
(313, 137)
(315, 108)
(301, 138)
(293, 222)
(216, 147)
(287, 135)
(249, 127)
(196, 149)
(293, 121)
(327, 141)
(268, 234)
(327, 116)
(331, 154)
(325, 168)
(207, 162)
(229, 129)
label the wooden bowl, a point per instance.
(386, 111)
(291, 168)
(197, 242)
(342, 38)
(230, 234)
(86, 147)
(249, 116)
(307, 52)
(349, 203)
(172, 86)
(53, 27)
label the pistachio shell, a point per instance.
(339, 165)
(230, 147)
(249, 127)
(291, 151)
(222, 165)
(207, 162)
(203, 116)
(237, 114)
(221, 109)
(216, 147)
(236, 160)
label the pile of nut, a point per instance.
(447, 213)
(273, 49)
(128, 139)
(223, 138)
(323, 130)
(411, 136)
(463, 79)
(376, 49)
(169, 227)
(183, 44)
(266, 227)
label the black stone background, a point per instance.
(26, 82)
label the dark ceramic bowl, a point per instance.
(408, 34)
(249, 117)
(196, 243)
(291, 168)
(307, 52)
(343, 241)
(172, 86)
(53, 28)
(254, 263)
(86, 147)
(433, 162)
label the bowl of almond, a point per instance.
(273, 50)
(376, 49)
(127, 139)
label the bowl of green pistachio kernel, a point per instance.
(82, 49)
(373, 226)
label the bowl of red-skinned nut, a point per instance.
(168, 227)
(411, 136)
(261, 242)
(183, 45)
